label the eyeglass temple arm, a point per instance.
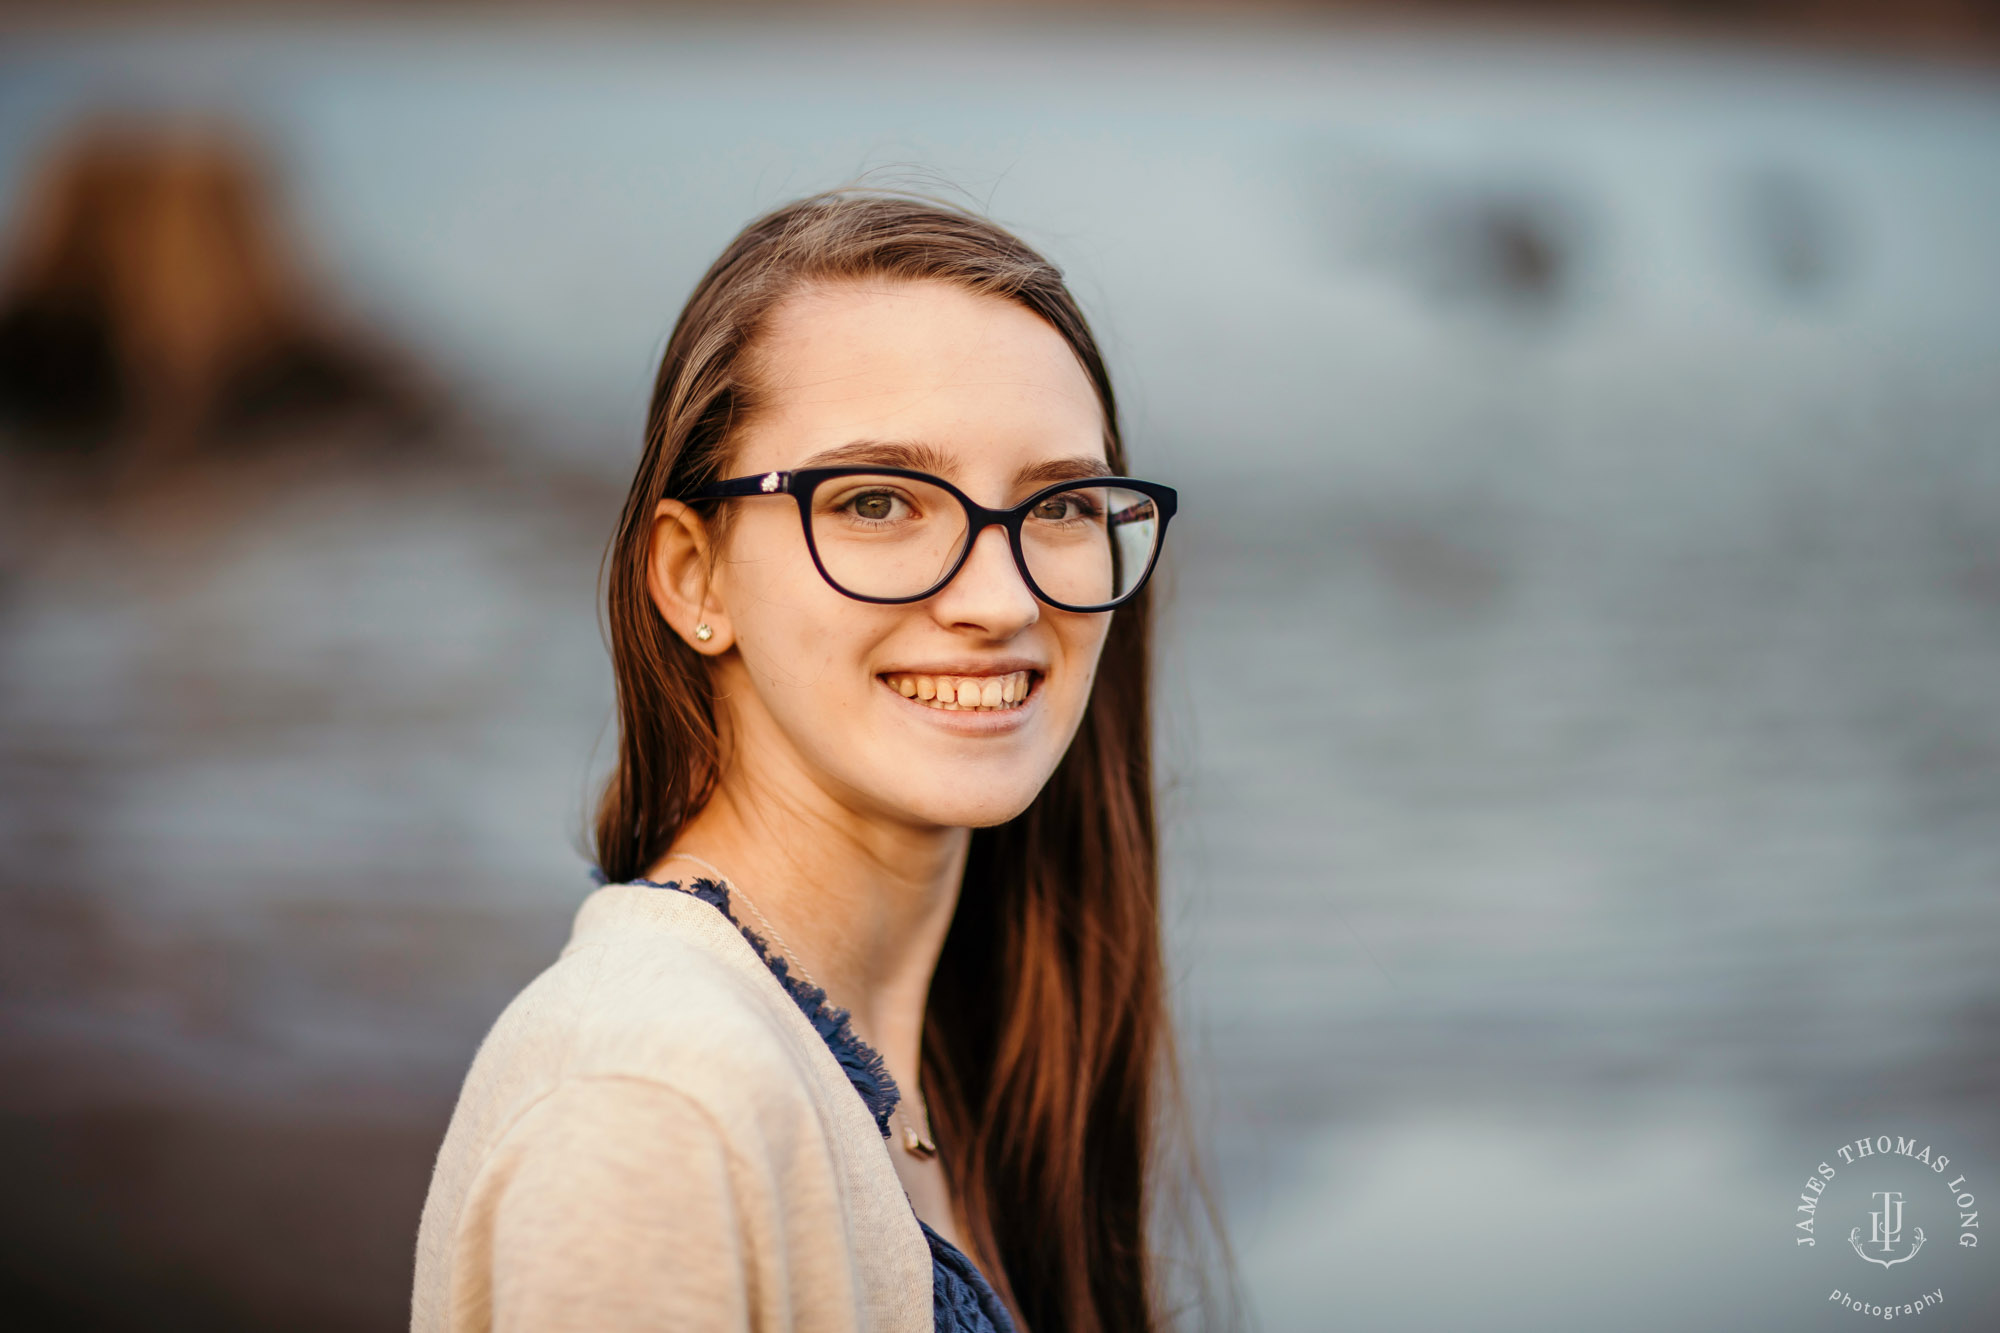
(764, 483)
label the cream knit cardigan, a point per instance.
(653, 1136)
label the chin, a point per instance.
(934, 807)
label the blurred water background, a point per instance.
(1580, 719)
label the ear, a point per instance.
(678, 577)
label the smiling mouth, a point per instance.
(995, 694)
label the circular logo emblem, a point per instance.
(1888, 1222)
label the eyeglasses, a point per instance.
(892, 535)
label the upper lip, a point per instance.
(996, 666)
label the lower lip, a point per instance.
(972, 721)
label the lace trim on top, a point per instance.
(962, 1300)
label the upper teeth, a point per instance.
(1006, 691)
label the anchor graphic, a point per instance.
(1854, 1239)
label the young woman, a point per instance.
(867, 1028)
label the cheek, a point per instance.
(802, 643)
(1083, 648)
(805, 645)
(767, 579)
(791, 628)
(1082, 638)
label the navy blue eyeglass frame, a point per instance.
(801, 484)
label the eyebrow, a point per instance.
(922, 457)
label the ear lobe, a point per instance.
(677, 578)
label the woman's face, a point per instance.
(985, 394)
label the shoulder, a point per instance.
(657, 1036)
(655, 985)
(658, 1082)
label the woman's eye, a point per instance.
(876, 506)
(1063, 509)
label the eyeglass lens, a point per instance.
(886, 536)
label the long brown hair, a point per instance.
(1048, 1060)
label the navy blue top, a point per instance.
(962, 1301)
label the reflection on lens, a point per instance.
(1089, 545)
(884, 536)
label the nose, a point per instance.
(988, 592)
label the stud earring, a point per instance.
(703, 632)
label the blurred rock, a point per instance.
(152, 297)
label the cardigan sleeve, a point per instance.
(610, 1206)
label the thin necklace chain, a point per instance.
(765, 921)
(915, 1141)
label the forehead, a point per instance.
(978, 384)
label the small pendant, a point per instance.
(916, 1145)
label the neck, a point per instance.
(862, 904)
